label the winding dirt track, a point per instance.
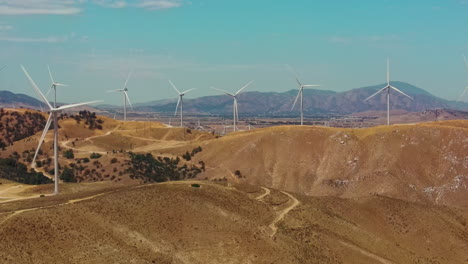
(267, 192)
(283, 213)
(366, 253)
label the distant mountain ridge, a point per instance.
(315, 102)
(279, 103)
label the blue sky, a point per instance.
(92, 44)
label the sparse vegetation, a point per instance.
(95, 155)
(12, 169)
(148, 168)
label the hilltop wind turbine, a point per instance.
(235, 111)
(180, 102)
(387, 88)
(125, 95)
(54, 86)
(466, 88)
(54, 112)
(300, 94)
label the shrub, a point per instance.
(114, 160)
(95, 155)
(68, 175)
(68, 154)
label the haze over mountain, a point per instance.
(254, 103)
(315, 102)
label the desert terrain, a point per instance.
(285, 194)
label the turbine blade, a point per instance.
(60, 84)
(398, 90)
(466, 62)
(388, 71)
(111, 91)
(173, 86)
(50, 89)
(50, 74)
(298, 82)
(177, 106)
(376, 93)
(292, 71)
(297, 97)
(1, 69)
(128, 78)
(461, 96)
(44, 133)
(222, 91)
(310, 85)
(33, 84)
(128, 99)
(75, 105)
(189, 90)
(245, 86)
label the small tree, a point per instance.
(95, 155)
(68, 175)
(68, 154)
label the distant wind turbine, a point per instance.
(300, 94)
(54, 112)
(1, 69)
(125, 95)
(54, 86)
(387, 88)
(180, 102)
(466, 88)
(234, 106)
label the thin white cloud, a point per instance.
(159, 4)
(5, 27)
(39, 7)
(71, 7)
(51, 39)
(111, 3)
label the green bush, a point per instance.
(95, 155)
(68, 154)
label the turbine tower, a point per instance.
(180, 102)
(300, 94)
(235, 111)
(125, 95)
(387, 88)
(466, 88)
(54, 86)
(54, 112)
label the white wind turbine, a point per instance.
(54, 112)
(234, 106)
(300, 94)
(466, 88)
(54, 86)
(387, 88)
(180, 102)
(125, 95)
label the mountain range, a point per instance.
(279, 103)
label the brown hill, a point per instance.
(178, 223)
(424, 162)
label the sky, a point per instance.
(91, 45)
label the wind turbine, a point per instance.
(300, 94)
(180, 101)
(466, 88)
(234, 106)
(125, 95)
(387, 88)
(1, 69)
(54, 112)
(54, 86)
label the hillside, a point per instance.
(424, 163)
(178, 223)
